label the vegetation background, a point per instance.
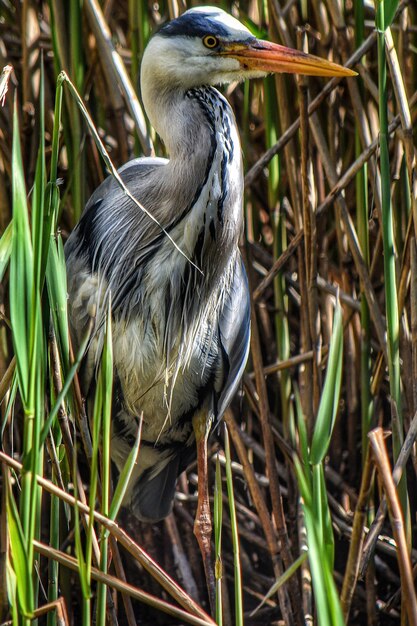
(309, 499)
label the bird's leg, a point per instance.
(202, 523)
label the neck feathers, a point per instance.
(215, 217)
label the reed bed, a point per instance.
(313, 475)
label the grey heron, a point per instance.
(180, 313)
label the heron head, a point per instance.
(206, 45)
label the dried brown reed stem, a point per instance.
(351, 234)
(283, 365)
(118, 566)
(67, 439)
(291, 160)
(403, 285)
(278, 265)
(5, 382)
(115, 71)
(5, 76)
(413, 307)
(310, 239)
(357, 538)
(381, 458)
(181, 560)
(402, 103)
(353, 169)
(57, 605)
(275, 490)
(123, 538)
(61, 611)
(377, 524)
(255, 491)
(113, 582)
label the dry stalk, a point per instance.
(405, 266)
(57, 605)
(377, 524)
(123, 538)
(380, 455)
(255, 491)
(352, 236)
(310, 239)
(278, 265)
(181, 560)
(291, 160)
(118, 566)
(275, 489)
(7, 378)
(353, 169)
(115, 71)
(287, 364)
(356, 542)
(113, 582)
(402, 102)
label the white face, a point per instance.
(177, 60)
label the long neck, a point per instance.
(199, 131)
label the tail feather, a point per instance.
(152, 497)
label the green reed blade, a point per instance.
(329, 401)
(19, 551)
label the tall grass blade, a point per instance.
(391, 299)
(19, 551)
(125, 475)
(390, 8)
(11, 584)
(40, 230)
(361, 185)
(326, 596)
(106, 381)
(391, 303)
(56, 281)
(329, 401)
(68, 382)
(5, 249)
(21, 266)
(235, 533)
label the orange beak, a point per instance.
(265, 56)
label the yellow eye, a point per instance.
(210, 41)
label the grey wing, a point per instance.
(234, 335)
(97, 241)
